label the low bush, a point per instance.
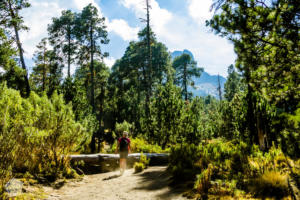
(36, 135)
(140, 145)
(142, 164)
(230, 168)
(182, 161)
(189, 160)
(124, 126)
(138, 167)
(144, 160)
(203, 180)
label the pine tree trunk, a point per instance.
(20, 49)
(219, 88)
(102, 103)
(185, 82)
(69, 54)
(44, 70)
(149, 76)
(260, 132)
(92, 72)
(250, 116)
(93, 142)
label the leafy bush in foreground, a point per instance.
(138, 167)
(142, 164)
(231, 168)
(35, 133)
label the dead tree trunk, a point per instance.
(110, 162)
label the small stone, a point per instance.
(13, 187)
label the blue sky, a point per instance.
(179, 24)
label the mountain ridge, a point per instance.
(205, 85)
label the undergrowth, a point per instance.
(138, 145)
(142, 164)
(229, 168)
(36, 135)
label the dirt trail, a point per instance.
(150, 184)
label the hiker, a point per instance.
(123, 147)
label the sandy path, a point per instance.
(150, 184)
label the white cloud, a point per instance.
(2, 70)
(188, 31)
(159, 17)
(211, 52)
(40, 14)
(80, 4)
(178, 32)
(109, 61)
(73, 68)
(121, 27)
(37, 17)
(199, 10)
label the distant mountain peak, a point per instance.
(205, 85)
(175, 54)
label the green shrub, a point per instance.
(273, 160)
(138, 167)
(124, 126)
(140, 145)
(188, 160)
(36, 134)
(233, 163)
(144, 160)
(202, 183)
(182, 161)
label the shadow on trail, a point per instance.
(158, 180)
(112, 177)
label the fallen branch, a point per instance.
(110, 162)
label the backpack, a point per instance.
(123, 144)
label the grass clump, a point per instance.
(271, 184)
(138, 167)
(203, 183)
(142, 164)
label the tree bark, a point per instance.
(219, 88)
(92, 71)
(69, 53)
(250, 116)
(185, 82)
(102, 95)
(20, 49)
(149, 76)
(93, 141)
(44, 70)
(110, 162)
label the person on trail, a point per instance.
(123, 147)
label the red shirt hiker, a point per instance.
(123, 147)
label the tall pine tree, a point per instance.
(10, 18)
(185, 68)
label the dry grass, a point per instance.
(270, 184)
